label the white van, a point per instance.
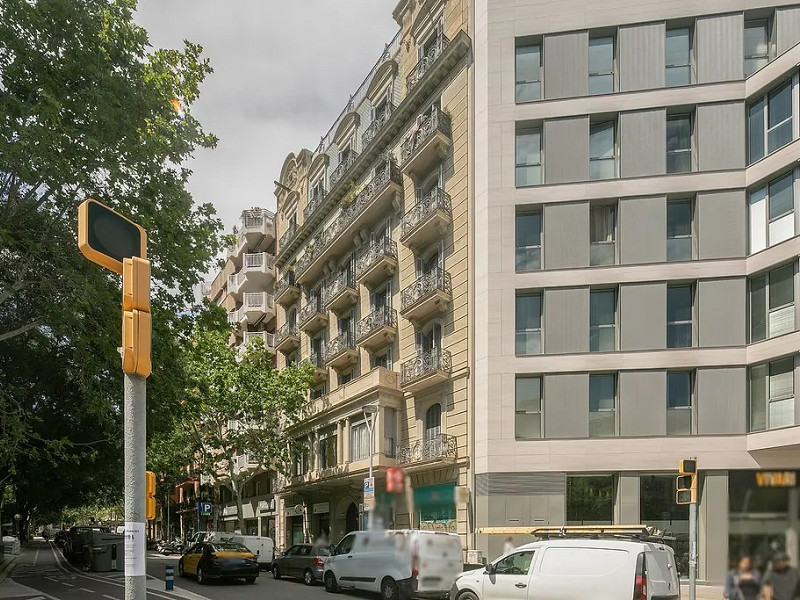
(262, 547)
(602, 568)
(396, 563)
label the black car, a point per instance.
(303, 561)
(218, 560)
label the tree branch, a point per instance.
(19, 331)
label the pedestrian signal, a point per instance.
(106, 237)
(150, 495)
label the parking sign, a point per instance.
(369, 493)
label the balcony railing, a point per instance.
(341, 343)
(435, 121)
(287, 236)
(287, 330)
(427, 362)
(338, 284)
(377, 124)
(284, 283)
(431, 448)
(317, 359)
(375, 253)
(436, 280)
(258, 260)
(315, 198)
(310, 309)
(383, 317)
(267, 338)
(338, 172)
(435, 200)
(426, 62)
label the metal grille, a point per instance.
(430, 448)
(520, 484)
(436, 280)
(425, 363)
(435, 200)
(435, 121)
(385, 317)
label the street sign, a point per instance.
(106, 237)
(205, 509)
(369, 494)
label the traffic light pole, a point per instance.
(135, 538)
(692, 550)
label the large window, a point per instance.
(679, 316)
(601, 65)
(602, 405)
(529, 157)
(389, 431)
(602, 150)
(433, 422)
(678, 54)
(769, 123)
(359, 441)
(602, 230)
(772, 303)
(679, 144)
(772, 395)
(679, 403)
(529, 73)
(529, 241)
(772, 213)
(602, 321)
(679, 230)
(327, 449)
(528, 420)
(590, 500)
(657, 508)
(529, 324)
(756, 45)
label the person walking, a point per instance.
(781, 580)
(743, 582)
(508, 546)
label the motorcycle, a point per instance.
(166, 547)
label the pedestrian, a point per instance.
(508, 546)
(782, 579)
(743, 582)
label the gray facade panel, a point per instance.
(642, 403)
(626, 506)
(643, 142)
(720, 136)
(721, 399)
(641, 57)
(566, 65)
(721, 312)
(566, 150)
(566, 406)
(720, 48)
(566, 235)
(787, 24)
(566, 320)
(642, 230)
(721, 223)
(713, 519)
(643, 316)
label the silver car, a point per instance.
(303, 561)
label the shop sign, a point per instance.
(776, 479)
(294, 511)
(321, 508)
(229, 510)
(266, 505)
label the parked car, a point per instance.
(303, 561)
(262, 547)
(398, 564)
(218, 560)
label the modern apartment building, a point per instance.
(635, 268)
(373, 287)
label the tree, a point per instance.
(235, 408)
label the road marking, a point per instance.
(110, 597)
(36, 558)
(85, 590)
(65, 583)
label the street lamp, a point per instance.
(370, 411)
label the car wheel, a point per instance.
(330, 583)
(467, 596)
(181, 572)
(308, 577)
(389, 589)
(201, 577)
(276, 572)
(250, 580)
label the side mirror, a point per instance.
(490, 569)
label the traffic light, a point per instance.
(150, 495)
(686, 483)
(395, 479)
(106, 237)
(136, 321)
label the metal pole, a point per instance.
(371, 426)
(135, 573)
(167, 537)
(692, 550)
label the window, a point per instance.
(657, 507)
(756, 45)
(359, 441)
(529, 73)
(529, 242)
(602, 229)
(772, 303)
(318, 392)
(679, 316)
(518, 563)
(679, 144)
(679, 403)
(529, 324)
(327, 450)
(769, 123)
(590, 500)
(433, 422)
(602, 321)
(529, 157)
(602, 405)
(772, 213)
(301, 462)
(602, 151)
(384, 359)
(679, 230)
(528, 398)
(772, 395)
(678, 53)
(389, 431)
(601, 65)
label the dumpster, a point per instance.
(106, 551)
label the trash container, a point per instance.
(106, 551)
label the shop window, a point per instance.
(657, 508)
(590, 499)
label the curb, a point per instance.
(6, 566)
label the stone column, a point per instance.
(346, 441)
(339, 443)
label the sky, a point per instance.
(283, 71)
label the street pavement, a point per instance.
(42, 573)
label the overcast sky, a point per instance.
(283, 71)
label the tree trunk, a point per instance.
(237, 495)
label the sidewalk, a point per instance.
(704, 592)
(7, 565)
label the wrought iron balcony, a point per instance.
(428, 368)
(428, 219)
(377, 329)
(338, 172)
(377, 124)
(433, 448)
(341, 292)
(430, 293)
(426, 62)
(426, 143)
(287, 338)
(312, 316)
(341, 352)
(317, 359)
(286, 290)
(287, 236)
(377, 263)
(315, 198)
(309, 256)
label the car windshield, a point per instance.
(229, 547)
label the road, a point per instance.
(42, 573)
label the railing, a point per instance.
(205, 288)
(288, 329)
(258, 300)
(285, 283)
(430, 448)
(287, 236)
(315, 198)
(426, 62)
(309, 310)
(339, 283)
(374, 253)
(267, 338)
(438, 279)
(338, 172)
(377, 124)
(434, 121)
(436, 199)
(342, 342)
(425, 363)
(258, 260)
(383, 317)
(317, 359)
(233, 317)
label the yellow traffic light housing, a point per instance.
(688, 466)
(136, 284)
(106, 237)
(136, 338)
(686, 482)
(150, 495)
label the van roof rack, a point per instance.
(637, 532)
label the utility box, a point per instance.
(106, 551)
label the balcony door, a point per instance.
(318, 347)
(316, 298)
(430, 341)
(291, 318)
(346, 323)
(426, 266)
(433, 422)
(382, 298)
(430, 183)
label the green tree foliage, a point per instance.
(85, 111)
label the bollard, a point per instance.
(169, 577)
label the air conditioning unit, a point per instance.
(475, 557)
